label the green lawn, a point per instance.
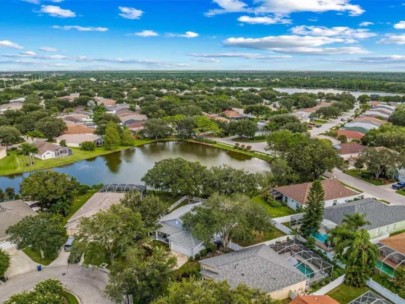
(272, 211)
(358, 174)
(189, 269)
(36, 257)
(401, 192)
(345, 294)
(15, 163)
(260, 238)
(248, 140)
(70, 298)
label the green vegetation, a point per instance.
(344, 294)
(363, 175)
(276, 211)
(313, 214)
(36, 257)
(190, 269)
(4, 262)
(70, 298)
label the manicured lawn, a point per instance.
(398, 232)
(272, 211)
(358, 174)
(260, 238)
(247, 140)
(401, 192)
(78, 202)
(15, 163)
(345, 294)
(36, 257)
(70, 299)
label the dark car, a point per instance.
(398, 186)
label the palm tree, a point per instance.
(27, 150)
(355, 221)
(360, 258)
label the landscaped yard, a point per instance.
(273, 211)
(189, 269)
(363, 175)
(345, 294)
(260, 238)
(36, 257)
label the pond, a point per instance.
(334, 91)
(129, 166)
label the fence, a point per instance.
(285, 219)
(282, 228)
(332, 285)
(394, 298)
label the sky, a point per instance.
(331, 35)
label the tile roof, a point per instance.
(377, 213)
(332, 187)
(349, 148)
(396, 242)
(78, 129)
(44, 146)
(314, 300)
(350, 134)
(232, 114)
(257, 267)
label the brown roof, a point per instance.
(350, 148)
(44, 146)
(314, 300)
(332, 187)
(78, 129)
(232, 114)
(105, 101)
(351, 134)
(371, 119)
(396, 242)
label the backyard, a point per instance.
(277, 210)
(344, 294)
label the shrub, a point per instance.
(275, 204)
(62, 143)
(4, 262)
(88, 146)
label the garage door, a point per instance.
(179, 248)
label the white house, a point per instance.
(47, 150)
(171, 231)
(295, 196)
(3, 152)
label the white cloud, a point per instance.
(239, 55)
(130, 12)
(366, 23)
(146, 33)
(187, 34)
(29, 53)
(400, 25)
(295, 44)
(57, 11)
(48, 49)
(287, 7)
(393, 39)
(81, 28)
(31, 1)
(264, 20)
(10, 44)
(383, 59)
(350, 35)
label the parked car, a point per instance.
(69, 243)
(398, 186)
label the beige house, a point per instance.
(48, 150)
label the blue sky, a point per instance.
(353, 35)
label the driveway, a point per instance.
(87, 284)
(19, 262)
(382, 192)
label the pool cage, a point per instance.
(308, 262)
(390, 260)
(123, 188)
(369, 298)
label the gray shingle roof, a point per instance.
(257, 267)
(185, 238)
(377, 213)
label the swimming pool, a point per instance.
(305, 269)
(385, 268)
(321, 237)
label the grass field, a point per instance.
(272, 211)
(345, 294)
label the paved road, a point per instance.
(381, 192)
(87, 284)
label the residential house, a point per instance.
(3, 152)
(10, 214)
(107, 103)
(78, 129)
(74, 140)
(349, 151)
(296, 196)
(312, 299)
(257, 267)
(233, 115)
(384, 219)
(392, 254)
(48, 150)
(350, 134)
(171, 232)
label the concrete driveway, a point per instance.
(19, 262)
(87, 284)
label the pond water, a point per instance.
(334, 91)
(129, 166)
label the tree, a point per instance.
(211, 292)
(4, 262)
(150, 207)
(51, 127)
(360, 258)
(157, 128)
(9, 135)
(206, 125)
(144, 274)
(35, 134)
(27, 150)
(113, 230)
(185, 127)
(126, 137)
(87, 146)
(112, 136)
(243, 128)
(51, 189)
(281, 173)
(398, 117)
(49, 291)
(43, 233)
(399, 279)
(227, 217)
(9, 193)
(313, 212)
(284, 140)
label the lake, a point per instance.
(334, 91)
(129, 166)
